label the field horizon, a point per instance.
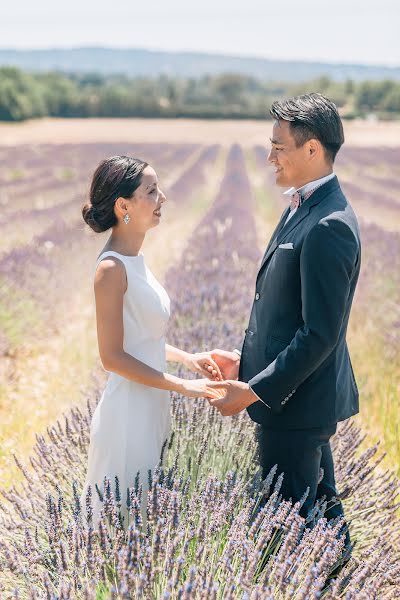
(246, 132)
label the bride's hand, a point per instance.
(198, 388)
(203, 364)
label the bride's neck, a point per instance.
(126, 243)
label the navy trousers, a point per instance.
(300, 453)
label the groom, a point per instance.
(294, 374)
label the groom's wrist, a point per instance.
(251, 396)
(257, 397)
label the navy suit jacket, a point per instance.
(294, 355)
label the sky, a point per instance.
(350, 31)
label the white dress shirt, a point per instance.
(306, 188)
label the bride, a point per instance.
(132, 419)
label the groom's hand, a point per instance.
(236, 397)
(228, 362)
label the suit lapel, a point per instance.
(283, 229)
(276, 232)
(299, 215)
(281, 223)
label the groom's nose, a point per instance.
(271, 155)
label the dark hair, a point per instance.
(312, 116)
(114, 177)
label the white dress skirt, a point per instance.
(132, 421)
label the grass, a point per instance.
(17, 315)
(66, 174)
(376, 367)
(15, 174)
(45, 378)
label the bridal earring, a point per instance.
(126, 219)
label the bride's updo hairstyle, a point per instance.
(114, 177)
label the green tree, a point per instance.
(391, 102)
(21, 97)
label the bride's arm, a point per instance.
(176, 355)
(198, 362)
(109, 287)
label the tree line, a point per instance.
(26, 95)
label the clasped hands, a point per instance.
(223, 391)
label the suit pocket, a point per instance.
(283, 254)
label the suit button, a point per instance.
(257, 296)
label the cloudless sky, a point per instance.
(362, 31)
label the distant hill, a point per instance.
(136, 62)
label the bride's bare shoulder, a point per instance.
(110, 272)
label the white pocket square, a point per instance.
(288, 246)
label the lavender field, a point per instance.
(206, 536)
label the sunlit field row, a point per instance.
(203, 539)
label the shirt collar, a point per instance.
(310, 185)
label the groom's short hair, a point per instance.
(312, 116)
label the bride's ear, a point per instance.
(121, 206)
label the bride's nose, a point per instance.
(163, 197)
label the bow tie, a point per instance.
(297, 199)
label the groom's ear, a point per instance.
(314, 148)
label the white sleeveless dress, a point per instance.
(131, 421)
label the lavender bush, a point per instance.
(208, 533)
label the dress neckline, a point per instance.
(140, 255)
